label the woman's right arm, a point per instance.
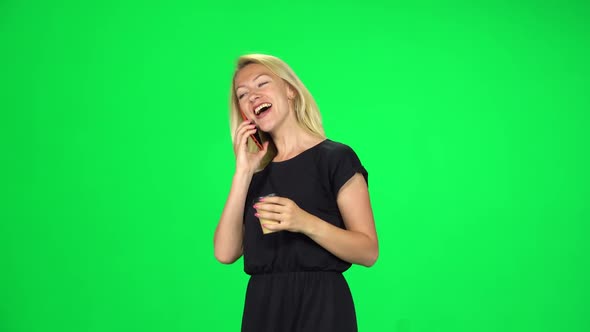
(229, 233)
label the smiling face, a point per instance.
(263, 97)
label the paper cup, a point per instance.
(266, 221)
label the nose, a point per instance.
(253, 96)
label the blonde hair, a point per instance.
(306, 110)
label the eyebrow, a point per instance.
(255, 78)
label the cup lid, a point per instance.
(260, 197)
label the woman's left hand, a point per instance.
(289, 215)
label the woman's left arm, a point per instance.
(356, 244)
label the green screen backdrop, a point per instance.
(116, 158)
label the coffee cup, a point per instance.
(266, 221)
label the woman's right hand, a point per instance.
(247, 161)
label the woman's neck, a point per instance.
(293, 141)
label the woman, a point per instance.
(320, 220)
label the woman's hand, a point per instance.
(289, 215)
(246, 161)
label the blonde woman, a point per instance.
(297, 242)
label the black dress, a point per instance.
(295, 284)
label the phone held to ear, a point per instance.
(256, 136)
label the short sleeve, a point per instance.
(344, 163)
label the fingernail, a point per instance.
(257, 214)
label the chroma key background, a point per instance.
(116, 159)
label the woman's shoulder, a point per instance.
(342, 163)
(334, 148)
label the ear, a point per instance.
(291, 92)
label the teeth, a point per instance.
(261, 106)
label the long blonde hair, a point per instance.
(306, 110)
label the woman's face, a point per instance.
(263, 96)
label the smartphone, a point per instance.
(256, 136)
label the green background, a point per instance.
(116, 156)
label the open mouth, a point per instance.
(262, 108)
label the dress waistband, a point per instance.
(286, 273)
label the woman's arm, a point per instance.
(356, 244)
(229, 233)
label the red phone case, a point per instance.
(253, 136)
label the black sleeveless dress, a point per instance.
(295, 284)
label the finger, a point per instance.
(273, 227)
(242, 126)
(247, 133)
(264, 149)
(275, 200)
(268, 216)
(244, 133)
(240, 131)
(245, 123)
(268, 207)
